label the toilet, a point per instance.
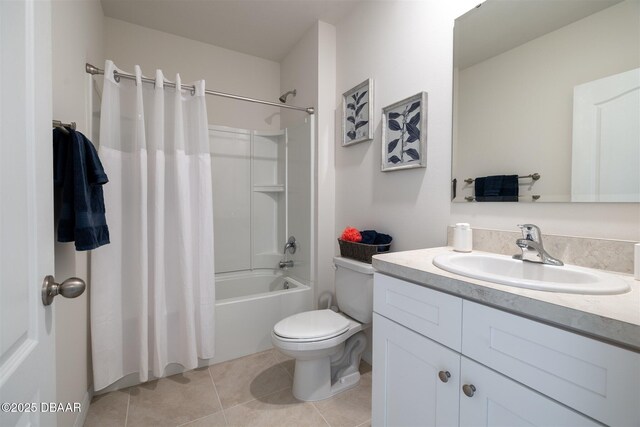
(326, 345)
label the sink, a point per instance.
(505, 270)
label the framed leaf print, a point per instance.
(404, 133)
(357, 114)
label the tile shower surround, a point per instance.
(601, 254)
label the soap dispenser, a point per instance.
(462, 237)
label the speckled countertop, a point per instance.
(610, 318)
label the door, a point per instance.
(27, 378)
(490, 399)
(415, 380)
(606, 140)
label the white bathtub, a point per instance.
(248, 305)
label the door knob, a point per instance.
(70, 288)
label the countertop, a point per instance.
(610, 318)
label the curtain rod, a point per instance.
(97, 71)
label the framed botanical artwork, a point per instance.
(357, 114)
(404, 134)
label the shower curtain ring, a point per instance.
(116, 77)
(193, 90)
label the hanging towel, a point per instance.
(496, 188)
(478, 184)
(510, 188)
(79, 173)
(493, 185)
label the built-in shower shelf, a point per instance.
(269, 188)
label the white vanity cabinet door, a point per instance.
(498, 401)
(593, 377)
(407, 390)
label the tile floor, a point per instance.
(251, 391)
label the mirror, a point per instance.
(548, 89)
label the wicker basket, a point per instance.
(360, 251)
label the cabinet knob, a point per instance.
(469, 389)
(444, 376)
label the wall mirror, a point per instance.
(549, 89)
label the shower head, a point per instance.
(284, 96)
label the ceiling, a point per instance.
(497, 26)
(263, 28)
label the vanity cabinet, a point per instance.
(440, 360)
(415, 380)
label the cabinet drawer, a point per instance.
(428, 312)
(597, 379)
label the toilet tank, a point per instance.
(354, 288)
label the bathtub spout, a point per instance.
(285, 264)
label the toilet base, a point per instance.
(320, 378)
(312, 380)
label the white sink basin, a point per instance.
(507, 271)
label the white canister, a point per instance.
(462, 237)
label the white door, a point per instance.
(415, 380)
(606, 140)
(490, 399)
(27, 376)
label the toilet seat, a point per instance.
(309, 326)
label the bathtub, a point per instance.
(248, 305)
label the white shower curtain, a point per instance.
(152, 288)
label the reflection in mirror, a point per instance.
(548, 87)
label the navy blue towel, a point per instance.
(497, 188)
(77, 170)
(493, 185)
(372, 237)
(368, 237)
(510, 188)
(478, 184)
(383, 240)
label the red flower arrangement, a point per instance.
(350, 234)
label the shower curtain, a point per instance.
(152, 289)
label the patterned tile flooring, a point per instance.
(250, 391)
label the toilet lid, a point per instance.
(312, 325)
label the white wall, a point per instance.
(223, 70)
(310, 68)
(77, 37)
(406, 47)
(326, 243)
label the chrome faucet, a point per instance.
(532, 247)
(285, 264)
(291, 245)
